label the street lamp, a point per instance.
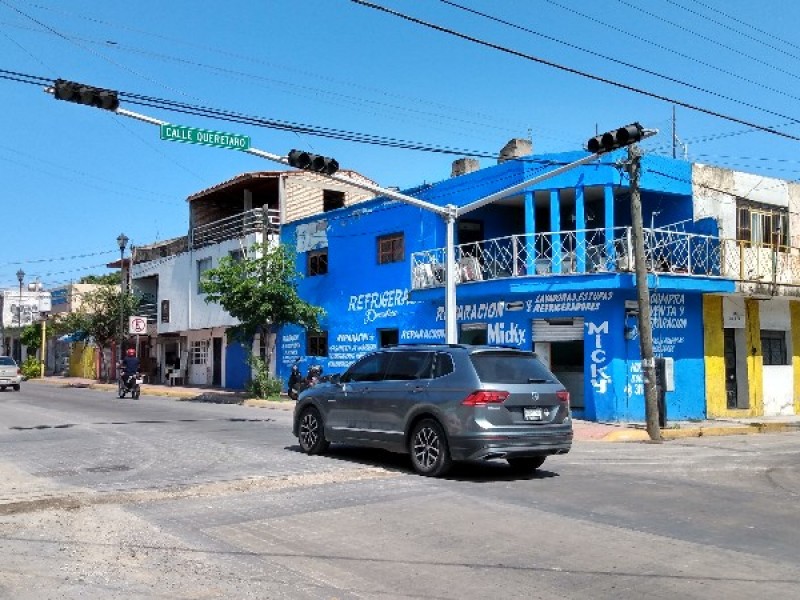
(122, 241)
(20, 277)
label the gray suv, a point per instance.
(441, 403)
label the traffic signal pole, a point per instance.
(107, 100)
(643, 297)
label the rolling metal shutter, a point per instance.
(563, 329)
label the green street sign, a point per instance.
(193, 135)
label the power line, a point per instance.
(572, 70)
(757, 39)
(622, 62)
(708, 39)
(632, 35)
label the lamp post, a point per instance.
(20, 277)
(122, 241)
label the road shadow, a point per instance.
(467, 471)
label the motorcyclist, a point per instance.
(294, 379)
(130, 364)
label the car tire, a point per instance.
(427, 445)
(2, 388)
(526, 464)
(16, 387)
(311, 432)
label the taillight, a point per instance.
(481, 397)
(563, 396)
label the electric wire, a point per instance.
(572, 70)
(622, 62)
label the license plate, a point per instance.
(532, 414)
(4, 380)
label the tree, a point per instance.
(31, 336)
(106, 279)
(99, 317)
(260, 290)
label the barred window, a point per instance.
(773, 347)
(317, 343)
(762, 224)
(391, 248)
(198, 352)
(317, 262)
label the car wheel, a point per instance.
(430, 454)
(16, 387)
(2, 388)
(312, 432)
(527, 464)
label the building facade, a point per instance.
(551, 269)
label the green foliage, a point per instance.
(32, 336)
(101, 314)
(262, 384)
(106, 279)
(260, 290)
(31, 368)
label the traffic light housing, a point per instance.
(611, 140)
(307, 161)
(85, 94)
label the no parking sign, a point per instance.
(137, 325)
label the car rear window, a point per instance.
(510, 367)
(7, 361)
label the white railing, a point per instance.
(600, 250)
(233, 227)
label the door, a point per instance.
(347, 406)
(731, 384)
(216, 358)
(404, 385)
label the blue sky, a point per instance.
(74, 177)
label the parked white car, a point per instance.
(10, 374)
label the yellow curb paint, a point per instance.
(794, 311)
(626, 435)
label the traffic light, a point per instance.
(300, 159)
(611, 140)
(85, 94)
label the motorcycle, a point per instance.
(130, 383)
(298, 384)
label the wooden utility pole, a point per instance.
(643, 294)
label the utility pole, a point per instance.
(643, 294)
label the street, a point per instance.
(158, 498)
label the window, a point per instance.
(236, 255)
(773, 347)
(198, 352)
(317, 343)
(408, 366)
(762, 224)
(332, 199)
(390, 248)
(317, 262)
(369, 368)
(165, 311)
(389, 337)
(442, 364)
(203, 265)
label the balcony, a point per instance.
(567, 253)
(234, 227)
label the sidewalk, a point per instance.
(584, 430)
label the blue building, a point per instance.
(548, 269)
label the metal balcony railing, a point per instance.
(234, 227)
(600, 250)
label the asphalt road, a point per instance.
(157, 498)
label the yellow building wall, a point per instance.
(716, 397)
(794, 311)
(755, 359)
(82, 361)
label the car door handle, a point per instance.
(417, 389)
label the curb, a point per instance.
(640, 435)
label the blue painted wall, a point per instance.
(362, 297)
